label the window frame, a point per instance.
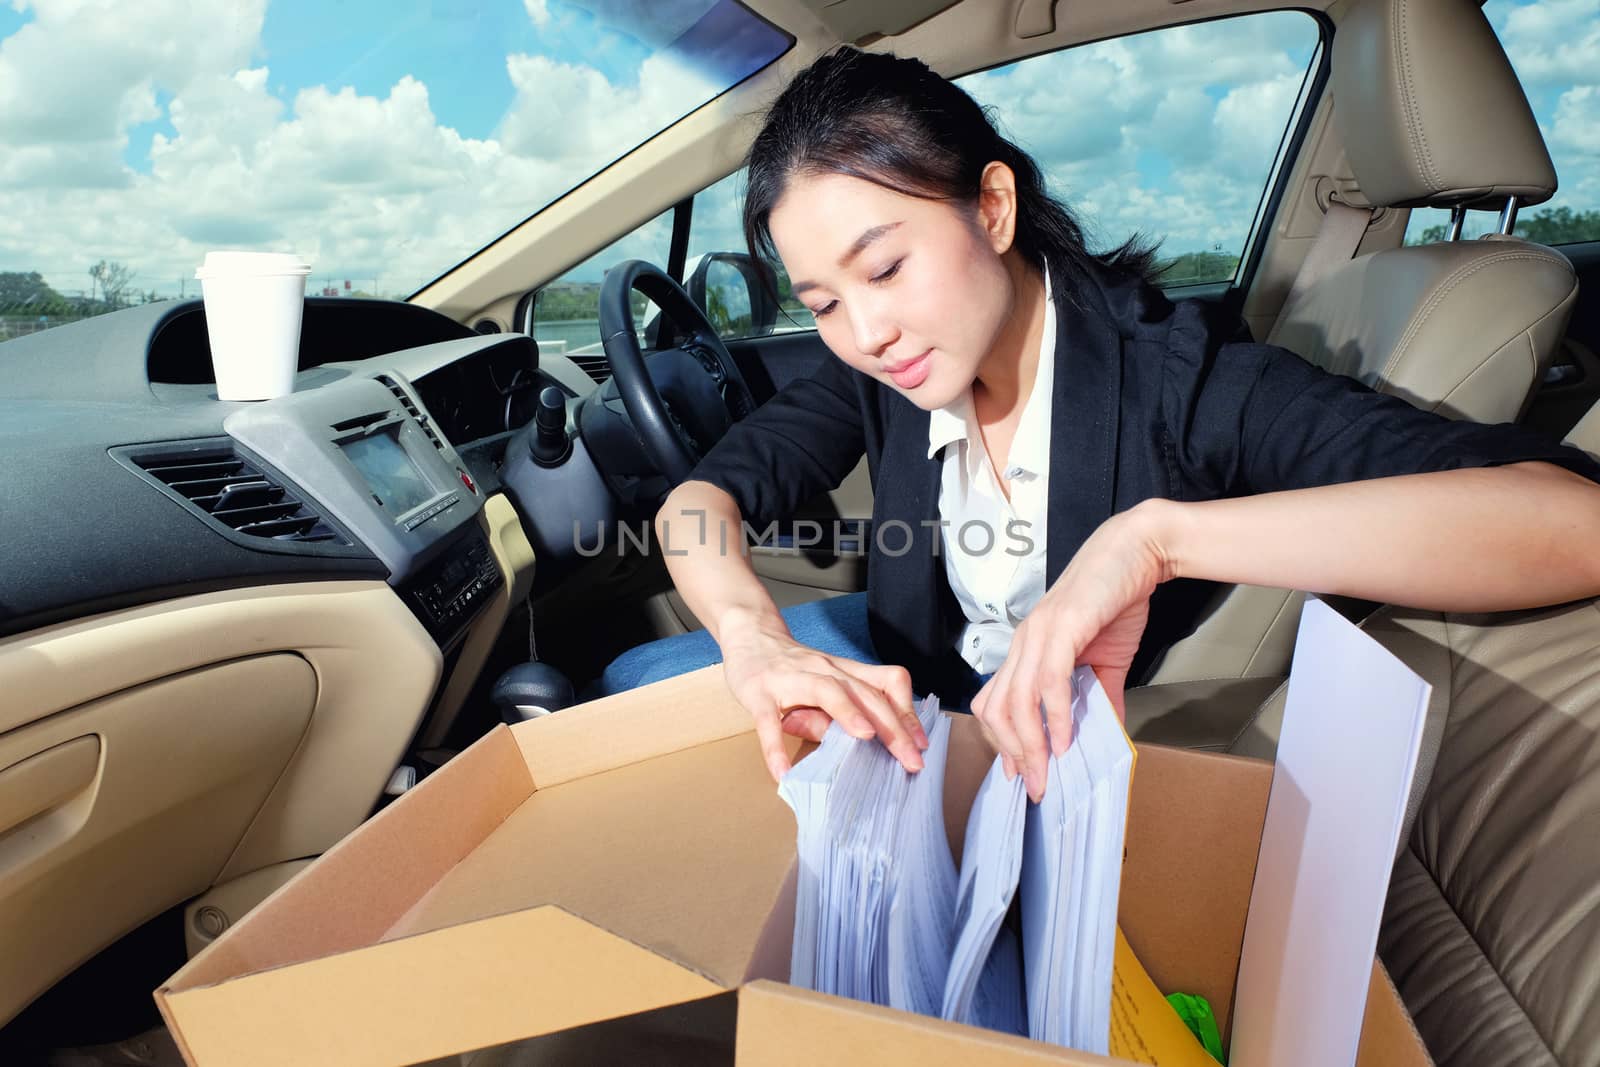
(1274, 191)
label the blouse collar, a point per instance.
(1030, 449)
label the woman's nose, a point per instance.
(874, 331)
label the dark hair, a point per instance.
(896, 123)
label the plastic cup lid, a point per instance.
(232, 264)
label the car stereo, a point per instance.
(395, 481)
(364, 452)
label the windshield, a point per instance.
(382, 140)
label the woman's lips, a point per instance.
(910, 375)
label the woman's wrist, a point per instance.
(1165, 529)
(741, 624)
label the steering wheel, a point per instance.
(683, 399)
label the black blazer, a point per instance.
(1151, 399)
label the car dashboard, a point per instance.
(140, 485)
(225, 628)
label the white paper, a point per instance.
(1351, 731)
(883, 916)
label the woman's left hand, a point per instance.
(1094, 614)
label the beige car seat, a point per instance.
(1431, 115)
(1492, 930)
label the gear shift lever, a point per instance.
(530, 690)
(551, 447)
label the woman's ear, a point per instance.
(997, 206)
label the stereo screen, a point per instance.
(391, 475)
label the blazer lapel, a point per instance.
(907, 568)
(1085, 405)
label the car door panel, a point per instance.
(82, 807)
(149, 754)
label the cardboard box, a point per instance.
(629, 857)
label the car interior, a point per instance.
(231, 632)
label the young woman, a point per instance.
(1057, 452)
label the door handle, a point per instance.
(46, 780)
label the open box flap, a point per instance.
(687, 853)
(668, 716)
(1192, 812)
(355, 893)
(363, 888)
(1388, 1036)
(508, 977)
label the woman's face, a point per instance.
(912, 292)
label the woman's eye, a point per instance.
(825, 309)
(890, 272)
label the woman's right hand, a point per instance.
(789, 688)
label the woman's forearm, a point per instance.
(1486, 539)
(701, 535)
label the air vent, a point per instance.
(595, 366)
(235, 492)
(411, 409)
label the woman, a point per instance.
(1058, 451)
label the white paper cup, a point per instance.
(253, 306)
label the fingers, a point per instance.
(995, 713)
(770, 735)
(1010, 705)
(1028, 722)
(808, 723)
(897, 729)
(860, 709)
(1055, 691)
(895, 685)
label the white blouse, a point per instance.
(994, 548)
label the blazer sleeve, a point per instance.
(801, 442)
(1254, 418)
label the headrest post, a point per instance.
(1458, 215)
(1508, 216)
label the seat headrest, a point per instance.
(1429, 109)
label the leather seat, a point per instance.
(1492, 929)
(1431, 115)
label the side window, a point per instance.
(566, 313)
(716, 249)
(1552, 45)
(1174, 134)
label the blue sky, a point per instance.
(388, 141)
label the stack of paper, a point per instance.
(1071, 877)
(985, 983)
(876, 891)
(882, 916)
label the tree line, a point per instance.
(27, 294)
(1552, 226)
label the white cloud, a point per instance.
(1575, 132)
(1249, 125)
(1551, 43)
(368, 186)
(538, 13)
(569, 111)
(1170, 133)
(84, 70)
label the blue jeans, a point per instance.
(837, 626)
